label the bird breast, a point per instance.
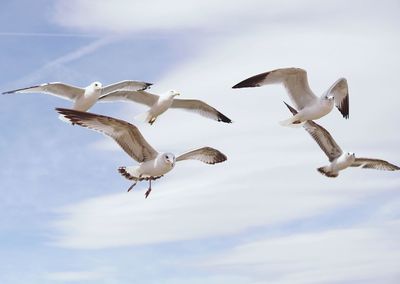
(343, 162)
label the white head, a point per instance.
(169, 158)
(96, 85)
(328, 99)
(350, 157)
(173, 93)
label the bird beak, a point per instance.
(177, 94)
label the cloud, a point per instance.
(361, 254)
(59, 65)
(124, 16)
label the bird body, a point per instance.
(308, 105)
(339, 160)
(162, 164)
(160, 104)
(338, 164)
(89, 97)
(318, 109)
(152, 164)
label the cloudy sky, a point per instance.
(264, 216)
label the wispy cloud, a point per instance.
(75, 276)
(60, 63)
(19, 34)
(360, 254)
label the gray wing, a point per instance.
(206, 155)
(294, 79)
(125, 134)
(58, 89)
(323, 139)
(377, 164)
(141, 97)
(126, 85)
(340, 91)
(201, 108)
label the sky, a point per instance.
(264, 216)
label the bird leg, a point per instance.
(148, 190)
(129, 189)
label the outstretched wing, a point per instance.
(294, 79)
(58, 89)
(323, 138)
(141, 97)
(206, 155)
(201, 108)
(340, 91)
(127, 85)
(377, 164)
(125, 134)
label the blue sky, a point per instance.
(264, 216)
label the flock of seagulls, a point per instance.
(153, 164)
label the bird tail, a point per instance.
(292, 122)
(325, 171)
(130, 173)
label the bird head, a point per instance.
(169, 158)
(350, 156)
(173, 93)
(96, 85)
(328, 98)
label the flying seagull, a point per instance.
(338, 159)
(152, 164)
(160, 104)
(83, 98)
(309, 105)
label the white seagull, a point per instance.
(83, 98)
(152, 164)
(309, 106)
(338, 159)
(160, 104)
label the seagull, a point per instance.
(152, 164)
(309, 105)
(160, 104)
(338, 159)
(83, 98)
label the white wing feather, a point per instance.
(125, 134)
(58, 89)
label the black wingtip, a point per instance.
(147, 86)
(253, 81)
(292, 109)
(223, 118)
(344, 107)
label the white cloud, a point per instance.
(218, 15)
(366, 254)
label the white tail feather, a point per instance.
(290, 122)
(130, 173)
(325, 171)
